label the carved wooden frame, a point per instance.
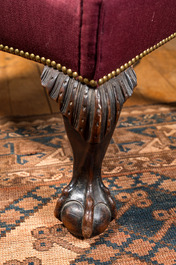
(90, 116)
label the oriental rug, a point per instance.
(139, 168)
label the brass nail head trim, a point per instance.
(117, 71)
(59, 66)
(80, 78)
(100, 81)
(64, 69)
(48, 62)
(75, 75)
(109, 76)
(38, 58)
(27, 55)
(11, 50)
(86, 81)
(113, 73)
(105, 78)
(53, 64)
(69, 72)
(22, 53)
(32, 56)
(92, 83)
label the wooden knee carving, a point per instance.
(90, 116)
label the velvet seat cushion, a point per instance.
(92, 37)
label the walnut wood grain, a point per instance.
(90, 116)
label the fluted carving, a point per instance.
(92, 112)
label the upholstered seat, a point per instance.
(89, 47)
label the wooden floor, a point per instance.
(22, 94)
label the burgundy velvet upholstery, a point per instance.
(49, 28)
(128, 27)
(92, 37)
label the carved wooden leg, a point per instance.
(90, 116)
(85, 206)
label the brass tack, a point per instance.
(109, 76)
(1, 47)
(126, 65)
(154, 47)
(133, 60)
(22, 53)
(43, 60)
(148, 51)
(32, 56)
(129, 63)
(166, 39)
(69, 72)
(92, 83)
(158, 45)
(75, 74)
(144, 52)
(37, 57)
(80, 78)
(17, 51)
(122, 68)
(137, 57)
(95, 84)
(64, 69)
(151, 49)
(141, 55)
(175, 34)
(117, 71)
(172, 36)
(113, 73)
(48, 62)
(59, 66)
(86, 81)
(169, 37)
(6, 48)
(163, 41)
(53, 64)
(100, 81)
(105, 78)
(27, 55)
(11, 50)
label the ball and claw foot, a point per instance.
(86, 215)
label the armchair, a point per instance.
(88, 49)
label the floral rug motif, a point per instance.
(139, 168)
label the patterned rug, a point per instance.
(139, 168)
